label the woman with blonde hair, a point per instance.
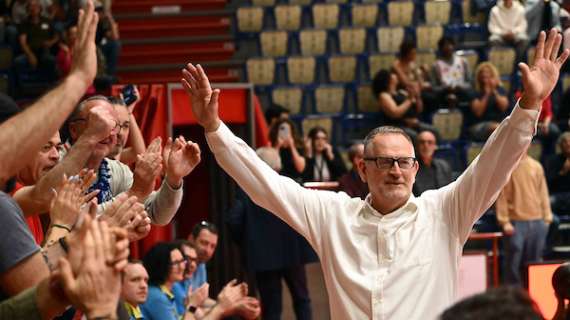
(490, 105)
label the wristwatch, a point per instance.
(192, 309)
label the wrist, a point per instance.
(173, 182)
(74, 79)
(213, 125)
(529, 103)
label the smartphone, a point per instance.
(129, 95)
(284, 131)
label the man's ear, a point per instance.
(362, 170)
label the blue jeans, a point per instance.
(269, 286)
(524, 246)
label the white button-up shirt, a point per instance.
(402, 265)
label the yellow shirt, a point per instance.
(134, 312)
(525, 197)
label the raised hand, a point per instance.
(197, 297)
(69, 197)
(204, 99)
(84, 60)
(126, 212)
(101, 123)
(147, 168)
(229, 297)
(540, 78)
(180, 158)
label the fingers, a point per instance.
(68, 280)
(90, 196)
(549, 44)
(560, 61)
(202, 78)
(215, 96)
(539, 53)
(155, 145)
(98, 246)
(556, 46)
(525, 70)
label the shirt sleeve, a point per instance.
(465, 200)
(157, 307)
(22, 306)
(302, 209)
(163, 204)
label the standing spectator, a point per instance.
(523, 211)
(284, 137)
(252, 228)
(451, 77)
(491, 104)
(536, 18)
(398, 106)
(507, 26)
(351, 182)
(433, 173)
(558, 176)
(324, 162)
(37, 38)
(64, 54)
(107, 39)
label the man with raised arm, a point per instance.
(392, 255)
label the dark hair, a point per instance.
(506, 303)
(274, 132)
(381, 82)
(384, 130)
(315, 130)
(181, 243)
(353, 150)
(435, 134)
(561, 280)
(443, 41)
(406, 47)
(274, 111)
(198, 227)
(157, 262)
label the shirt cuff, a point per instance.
(171, 188)
(217, 138)
(525, 119)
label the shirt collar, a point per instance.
(410, 206)
(167, 292)
(134, 312)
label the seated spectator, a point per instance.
(491, 104)
(37, 38)
(181, 289)
(558, 176)
(561, 285)
(64, 54)
(505, 303)
(507, 26)
(433, 173)
(252, 227)
(451, 77)
(19, 11)
(523, 211)
(351, 182)
(398, 106)
(134, 288)
(107, 39)
(323, 162)
(284, 137)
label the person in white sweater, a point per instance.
(508, 26)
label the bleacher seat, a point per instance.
(301, 70)
(250, 19)
(437, 11)
(289, 97)
(468, 17)
(427, 36)
(313, 42)
(329, 99)
(337, 1)
(312, 121)
(400, 13)
(425, 57)
(301, 2)
(473, 150)
(288, 17)
(364, 15)
(503, 58)
(377, 62)
(342, 68)
(264, 3)
(366, 101)
(326, 15)
(390, 38)
(448, 124)
(565, 82)
(471, 56)
(352, 40)
(535, 150)
(261, 71)
(274, 43)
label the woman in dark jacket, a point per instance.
(324, 163)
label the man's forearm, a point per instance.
(22, 136)
(163, 204)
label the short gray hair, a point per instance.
(77, 111)
(565, 135)
(385, 130)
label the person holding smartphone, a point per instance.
(283, 136)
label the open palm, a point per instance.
(204, 99)
(180, 157)
(539, 79)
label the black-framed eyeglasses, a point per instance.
(384, 163)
